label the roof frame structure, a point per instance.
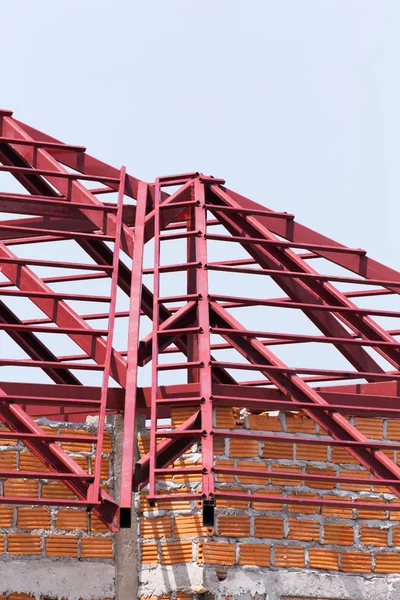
(60, 203)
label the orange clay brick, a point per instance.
(239, 420)
(216, 553)
(56, 489)
(76, 446)
(20, 596)
(23, 488)
(264, 422)
(282, 480)
(186, 477)
(268, 527)
(149, 554)
(394, 515)
(320, 558)
(264, 504)
(311, 452)
(1, 544)
(160, 527)
(234, 526)
(71, 520)
(356, 562)
(374, 536)
(299, 424)
(225, 418)
(180, 414)
(257, 555)
(24, 543)
(62, 545)
(96, 547)
(389, 453)
(306, 531)
(6, 441)
(393, 429)
(144, 444)
(371, 513)
(82, 461)
(228, 464)
(387, 562)
(6, 516)
(181, 463)
(320, 485)
(173, 504)
(240, 448)
(336, 511)
(104, 467)
(229, 503)
(289, 556)
(339, 534)
(341, 456)
(355, 487)
(97, 526)
(252, 466)
(33, 518)
(371, 428)
(191, 526)
(8, 460)
(107, 443)
(219, 446)
(29, 462)
(380, 489)
(396, 536)
(281, 451)
(303, 508)
(173, 553)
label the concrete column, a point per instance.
(126, 565)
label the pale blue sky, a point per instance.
(294, 102)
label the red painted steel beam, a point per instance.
(297, 390)
(364, 266)
(131, 398)
(303, 286)
(55, 458)
(298, 291)
(31, 285)
(79, 161)
(33, 347)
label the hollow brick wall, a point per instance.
(266, 535)
(179, 558)
(43, 533)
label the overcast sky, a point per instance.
(296, 103)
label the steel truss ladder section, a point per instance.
(197, 334)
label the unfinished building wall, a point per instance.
(54, 553)
(257, 550)
(268, 550)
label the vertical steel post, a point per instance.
(154, 354)
(204, 343)
(128, 443)
(94, 488)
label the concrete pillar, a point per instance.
(126, 566)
